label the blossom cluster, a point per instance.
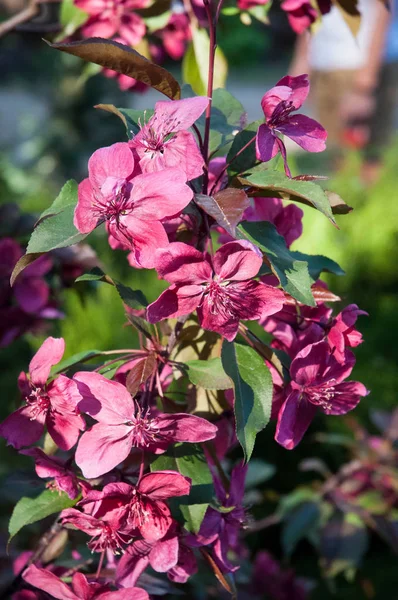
(111, 429)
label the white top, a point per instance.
(333, 47)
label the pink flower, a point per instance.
(248, 4)
(220, 289)
(343, 333)
(52, 404)
(80, 588)
(141, 507)
(64, 478)
(168, 555)
(122, 425)
(175, 35)
(280, 584)
(222, 529)
(278, 103)
(163, 142)
(131, 207)
(300, 13)
(287, 219)
(111, 17)
(317, 382)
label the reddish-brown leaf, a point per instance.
(225, 207)
(23, 262)
(141, 371)
(323, 295)
(124, 60)
(339, 207)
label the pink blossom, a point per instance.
(300, 13)
(287, 219)
(123, 425)
(64, 478)
(317, 381)
(53, 404)
(280, 584)
(220, 289)
(343, 333)
(222, 529)
(131, 206)
(175, 35)
(164, 143)
(111, 17)
(80, 589)
(141, 507)
(248, 4)
(278, 103)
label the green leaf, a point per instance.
(130, 117)
(79, 357)
(247, 158)
(132, 298)
(252, 389)
(71, 18)
(189, 460)
(317, 264)
(292, 273)
(344, 542)
(124, 60)
(66, 197)
(30, 510)
(208, 374)
(96, 274)
(195, 63)
(276, 185)
(302, 522)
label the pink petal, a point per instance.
(86, 218)
(177, 115)
(156, 196)
(105, 400)
(315, 364)
(210, 527)
(266, 143)
(164, 484)
(180, 427)
(346, 397)
(132, 28)
(294, 419)
(64, 428)
(133, 563)
(115, 161)
(175, 302)
(81, 586)
(164, 554)
(306, 132)
(157, 522)
(181, 263)
(299, 85)
(86, 523)
(46, 466)
(31, 294)
(272, 299)
(48, 582)
(127, 594)
(273, 97)
(226, 324)
(21, 429)
(145, 238)
(49, 354)
(100, 28)
(232, 261)
(102, 448)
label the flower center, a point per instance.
(144, 431)
(108, 539)
(281, 112)
(152, 140)
(322, 395)
(223, 300)
(138, 514)
(38, 401)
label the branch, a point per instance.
(22, 17)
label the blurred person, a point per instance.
(344, 71)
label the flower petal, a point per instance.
(105, 400)
(158, 195)
(164, 554)
(346, 397)
(114, 161)
(144, 238)
(49, 354)
(48, 582)
(181, 263)
(299, 88)
(177, 115)
(86, 218)
(160, 485)
(306, 132)
(175, 302)
(31, 294)
(21, 428)
(266, 143)
(180, 427)
(102, 448)
(294, 419)
(233, 261)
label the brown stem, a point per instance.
(22, 17)
(263, 523)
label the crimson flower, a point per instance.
(80, 588)
(163, 142)
(278, 103)
(140, 507)
(131, 206)
(300, 14)
(175, 35)
(64, 478)
(317, 382)
(220, 289)
(343, 333)
(52, 404)
(122, 425)
(109, 17)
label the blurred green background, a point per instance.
(49, 130)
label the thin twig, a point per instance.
(220, 175)
(22, 17)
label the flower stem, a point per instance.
(98, 573)
(249, 143)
